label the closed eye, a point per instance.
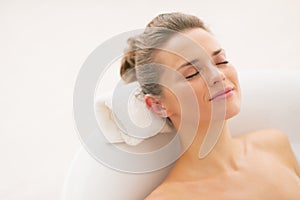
(220, 57)
(192, 75)
(222, 63)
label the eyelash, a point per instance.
(197, 73)
(222, 63)
(193, 75)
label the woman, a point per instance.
(257, 165)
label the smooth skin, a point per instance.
(258, 165)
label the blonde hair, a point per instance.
(137, 59)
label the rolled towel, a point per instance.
(124, 118)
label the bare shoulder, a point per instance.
(165, 191)
(269, 139)
(274, 142)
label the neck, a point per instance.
(222, 158)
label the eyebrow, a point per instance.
(196, 60)
(188, 63)
(217, 52)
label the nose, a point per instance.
(215, 77)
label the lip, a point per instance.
(223, 94)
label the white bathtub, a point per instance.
(271, 99)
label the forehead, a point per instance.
(191, 44)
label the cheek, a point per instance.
(232, 75)
(234, 105)
(185, 96)
(235, 81)
(201, 91)
(170, 101)
(232, 78)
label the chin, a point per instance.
(232, 109)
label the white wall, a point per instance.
(44, 43)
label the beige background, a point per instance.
(44, 43)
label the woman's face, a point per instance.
(211, 76)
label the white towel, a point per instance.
(126, 119)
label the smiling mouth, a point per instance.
(222, 94)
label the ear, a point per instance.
(152, 102)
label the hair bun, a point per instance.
(128, 63)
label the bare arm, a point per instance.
(298, 169)
(164, 192)
(291, 156)
(284, 148)
(296, 163)
(159, 196)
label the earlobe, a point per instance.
(159, 110)
(154, 105)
